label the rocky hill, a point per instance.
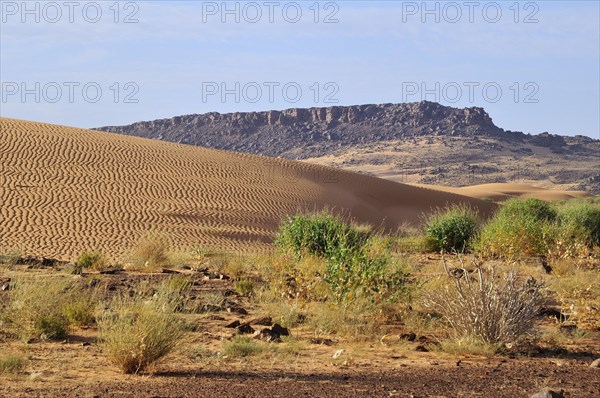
(350, 132)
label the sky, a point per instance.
(534, 66)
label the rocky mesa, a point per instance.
(349, 131)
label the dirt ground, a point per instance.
(390, 367)
(493, 378)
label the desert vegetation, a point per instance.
(461, 285)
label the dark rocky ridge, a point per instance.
(301, 133)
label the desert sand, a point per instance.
(503, 191)
(65, 190)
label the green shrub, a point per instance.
(80, 311)
(530, 208)
(580, 223)
(93, 260)
(451, 229)
(51, 326)
(358, 261)
(321, 234)
(519, 228)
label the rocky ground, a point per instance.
(396, 365)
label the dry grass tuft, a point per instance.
(136, 331)
(35, 308)
(150, 252)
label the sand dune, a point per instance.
(503, 191)
(64, 190)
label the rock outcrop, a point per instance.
(302, 133)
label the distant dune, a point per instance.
(65, 190)
(503, 191)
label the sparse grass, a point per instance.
(451, 229)
(467, 346)
(412, 244)
(244, 287)
(242, 347)
(150, 252)
(35, 308)
(578, 291)
(284, 312)
(11, 364)
(136, 332)
(200, 354)
(360, 321)
(215, 260)
(10, 256)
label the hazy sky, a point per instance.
(534, 66)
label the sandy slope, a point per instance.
(502, 191)
(64, 190)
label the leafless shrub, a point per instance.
(495, 309)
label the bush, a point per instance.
(51, 326)
(519, 228)
(489, 308)
(451, 229)
(358, 261)
(136, 332)
(528, 208)
(93, 260)
(321, 234)
(11, 364)
(580, 223)
(80, 312)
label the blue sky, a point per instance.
(534, 66)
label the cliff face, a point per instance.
(302, 133)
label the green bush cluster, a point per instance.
(581, 223)
(532, 227)
(322, 234)
(451, 229)
(520, 227)
(355, 268)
